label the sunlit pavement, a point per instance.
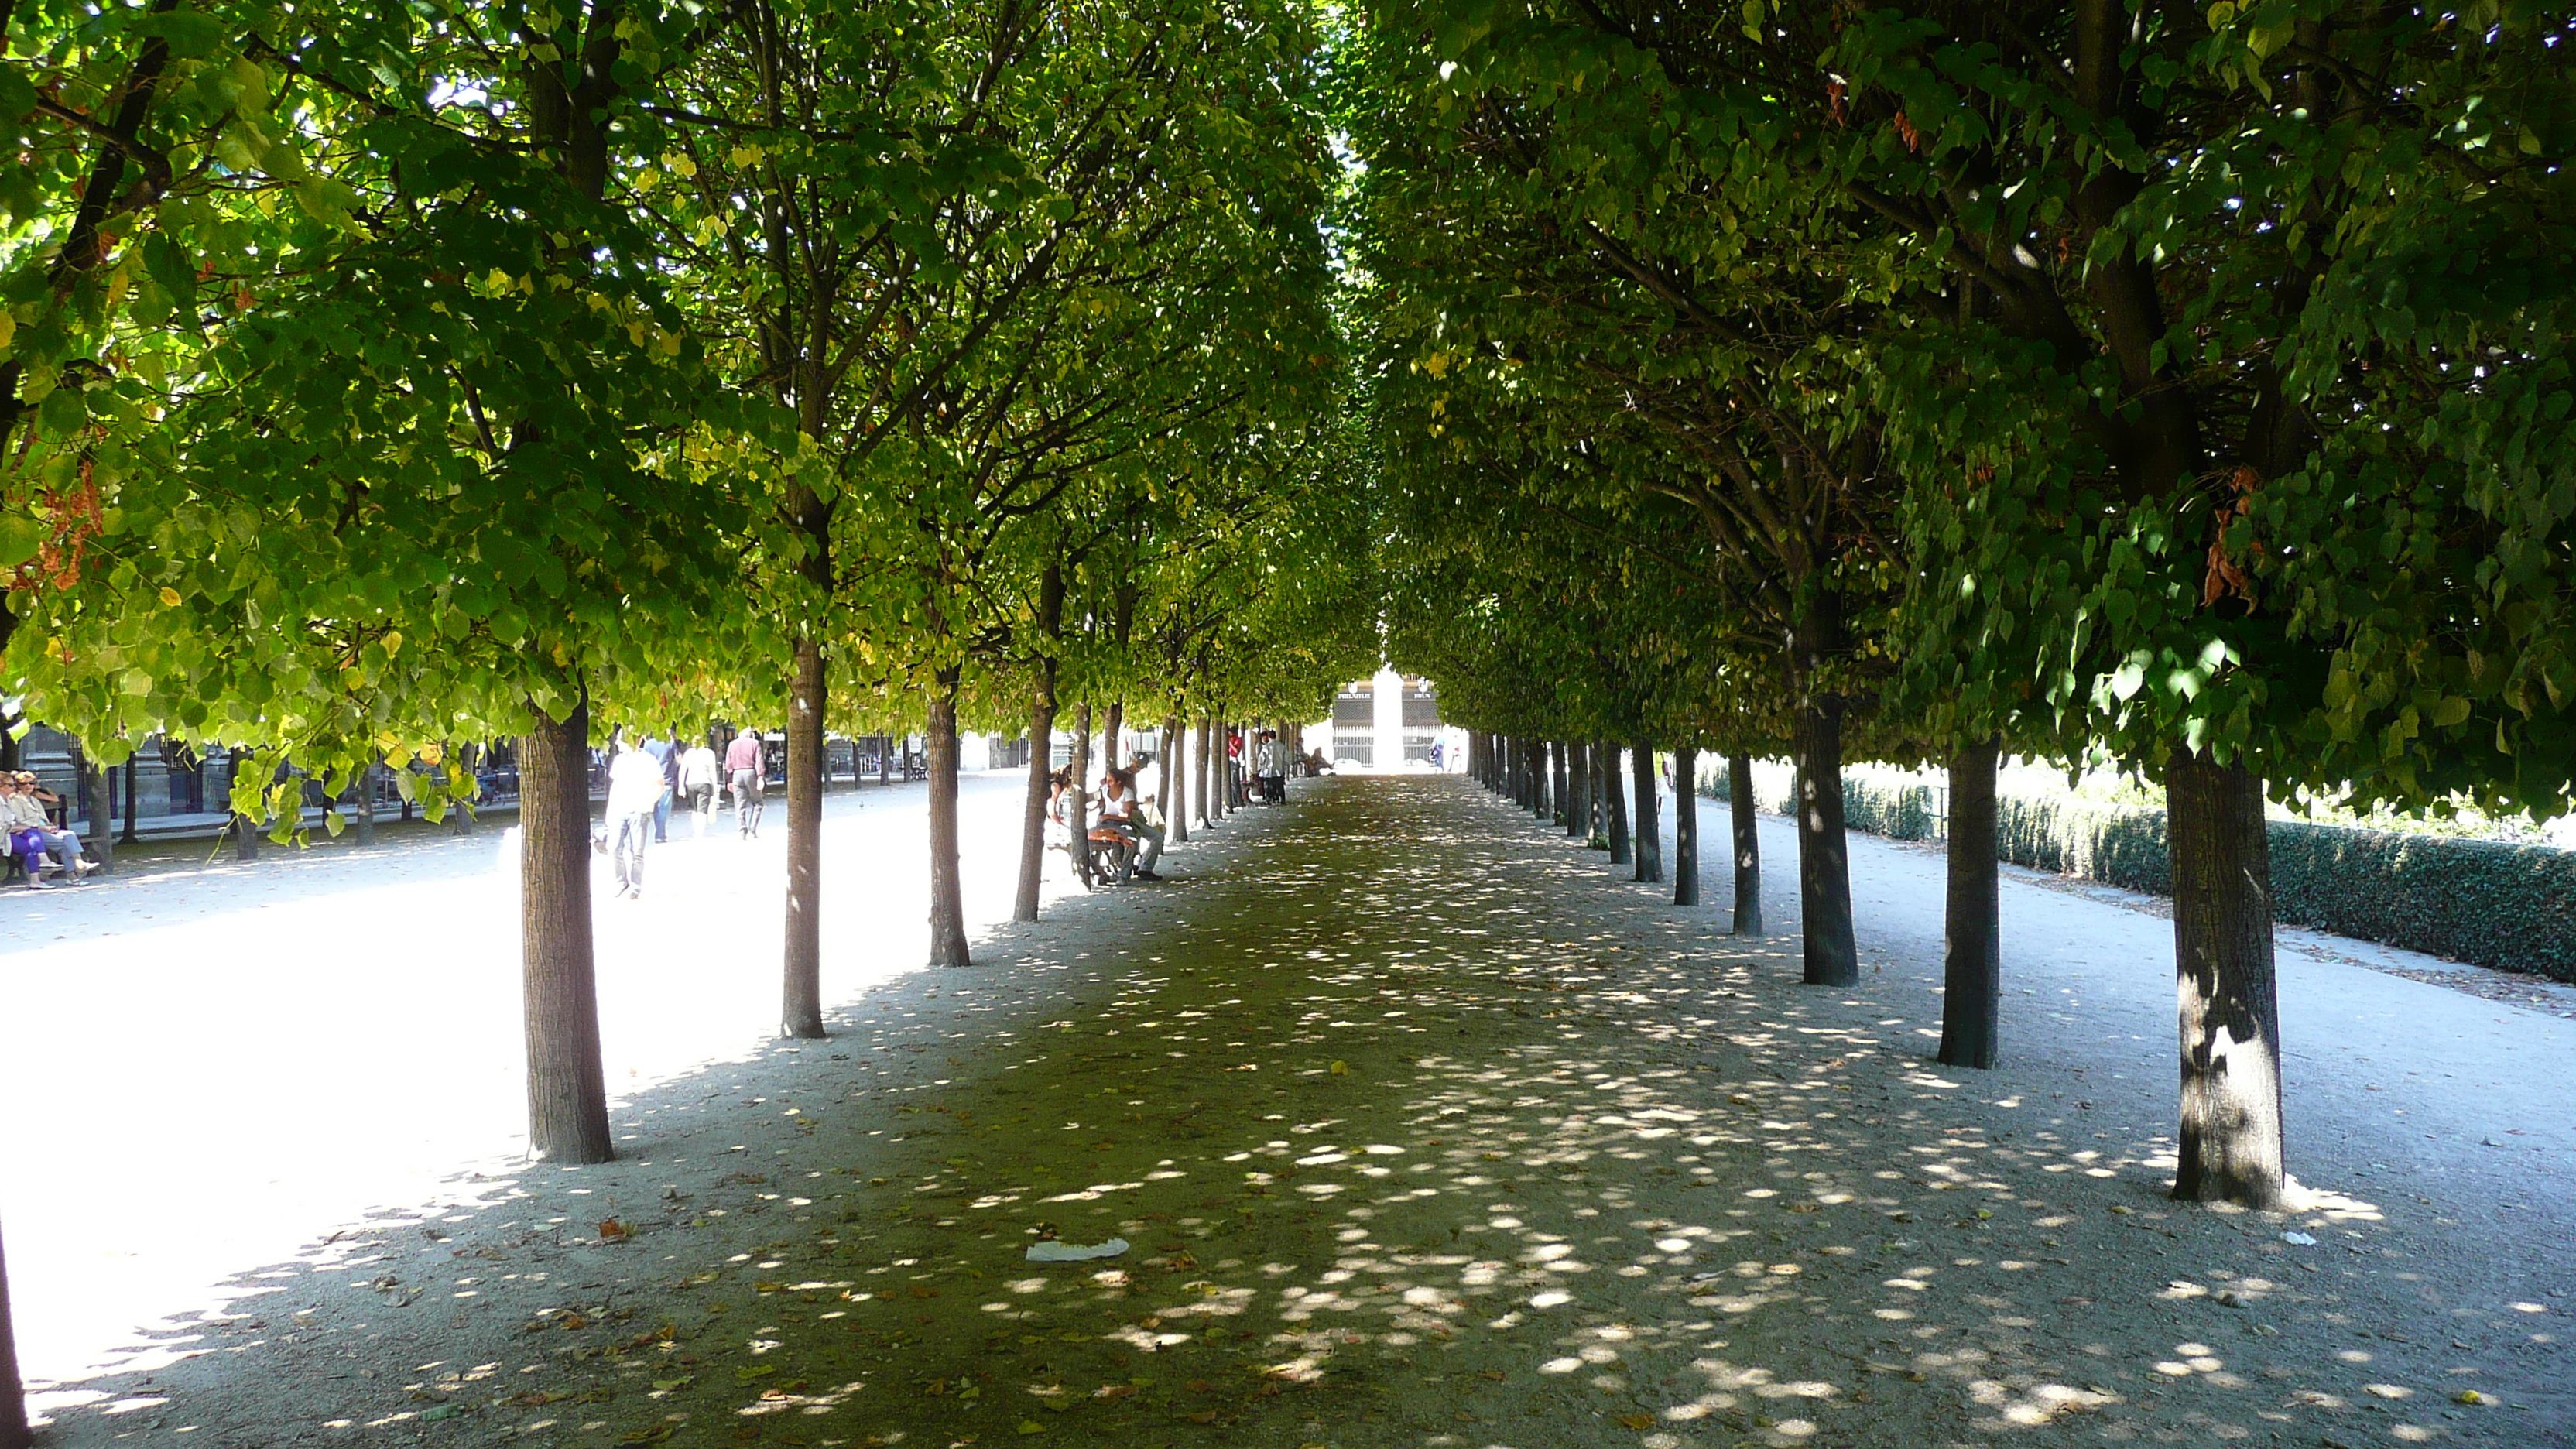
(1426, 1128)
(207, 1067)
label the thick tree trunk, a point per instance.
(2230, 1020)
(1109, 751)
(1559, 758)
(947, 891)
(1542, 787)
(101, 815)
(1176, 802)
(126, 835)
(1614, 798)
(800, 1011)
(1685, 827)
(1972, 940)
(1204, 775)
(1648, 829)
(1742, 814)
(1824, 854)
(14, 1433)
(567, 1090)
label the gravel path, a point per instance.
(1425, 1129)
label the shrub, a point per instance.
(2488, 904)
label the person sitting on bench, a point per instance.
(32, 832)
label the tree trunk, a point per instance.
(460, 815)
(1558, 753)
(1577, 790)
(1614, 797)
(947, 891)
(1203, 776)
(1042, 707)
(126, 835)
(1077, 796)
(800, 1011)
(1024, 900)
(1972, 939)
(1748, 845)
(1824, 854)
(245, 830)
(1109, 751)
(100, 811)
(1685, 827)
(1648, 830)
(567, 1089)
(1176, 794)
(1597, 827)
(2230, 1020)
(14, 1433)
(365, 817)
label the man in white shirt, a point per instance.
(1147, 818)
(634, 789)
(698, 781)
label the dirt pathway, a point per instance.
(1422, 1133)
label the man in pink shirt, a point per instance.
(749, 773)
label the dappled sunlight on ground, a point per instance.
(1423, 1131)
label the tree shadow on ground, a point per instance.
(1422, 1133)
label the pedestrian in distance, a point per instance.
(666, 757)
(748, 772)
(699, 778)
(635, 789)
(1270, 762)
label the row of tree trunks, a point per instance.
(1649, 830)
(2226, 996)
(800, 1010)
(1685, 827)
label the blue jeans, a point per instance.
(631, 835)
(662, 817)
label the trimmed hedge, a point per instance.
(2488, 904)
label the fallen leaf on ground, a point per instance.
(1637, 1421)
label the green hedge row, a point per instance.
(2511, 906)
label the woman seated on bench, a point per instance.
(32, 832)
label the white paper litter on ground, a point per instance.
(2302, 1239)
(1055, 1252)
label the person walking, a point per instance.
(748, 772)
(665, 752)
(635, 789)
(698, 782)
(1270, 762)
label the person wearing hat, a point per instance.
(32, 833)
